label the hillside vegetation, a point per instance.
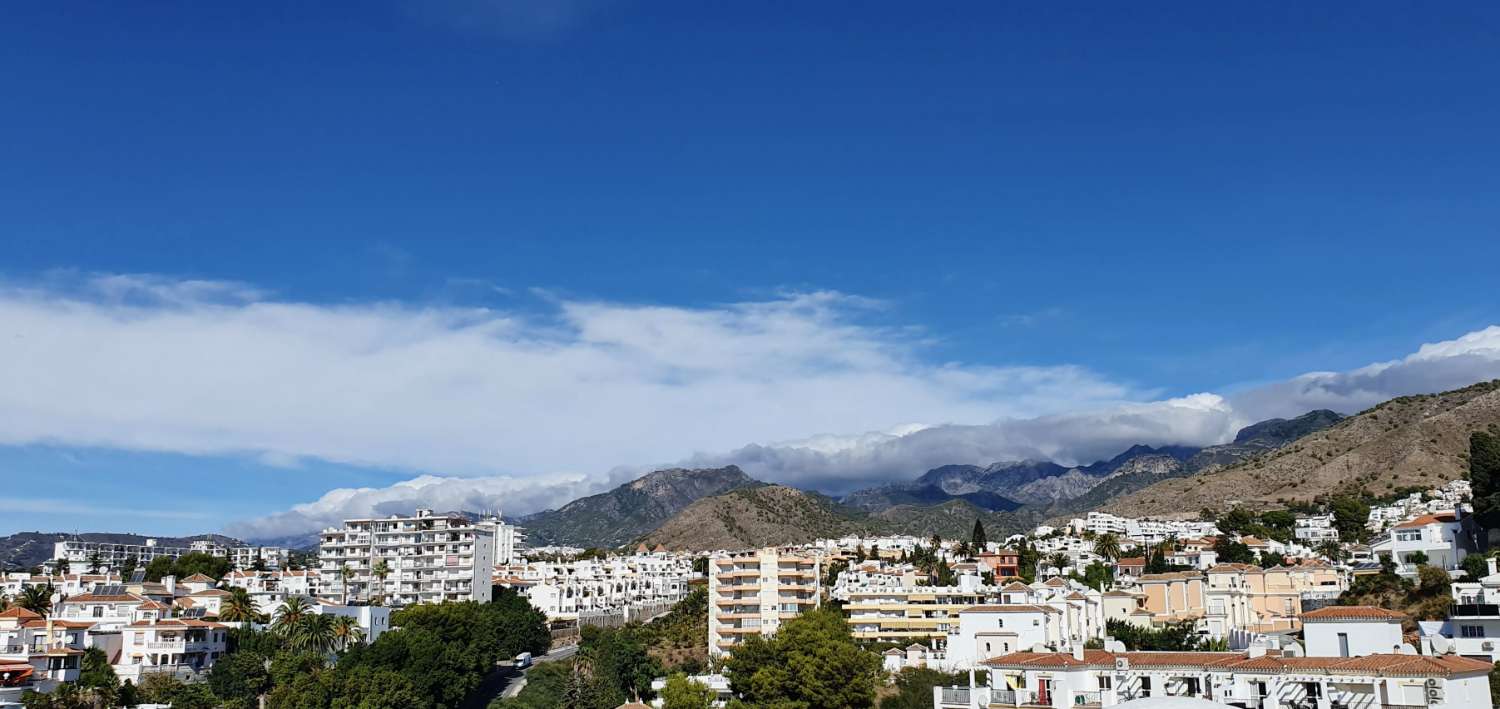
(759, 516)
(1410, 441)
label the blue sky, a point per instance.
(1134, 203)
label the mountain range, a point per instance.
(1410, 441)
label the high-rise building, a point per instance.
(753, 591)
(509, 541)
(427, 558)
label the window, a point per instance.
(1343, 644)
(1471, 631)
(1105, 681)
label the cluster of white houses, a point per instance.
(142, 627)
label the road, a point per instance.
(506, 681)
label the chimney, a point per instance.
(171, 583)
(1078, 651)
(1490, 562)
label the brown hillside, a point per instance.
(1413, 440)
(755, 517)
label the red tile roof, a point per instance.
(19, 612)
(1424, 520)
(1342, 613)
(1011, 608)
(1380, 664)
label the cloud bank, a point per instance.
(518, 411)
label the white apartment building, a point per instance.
(1437, 536)
(1473, 625)
(271, 558)
(78, 553)
(1255, 679)
(1315, 529)
(270, 589)
(427, 558)
(754, 591)
(510, 541)
(176, 646)
(37, 651)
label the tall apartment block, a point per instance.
(509, 541)
(429, 558)
(753, 592)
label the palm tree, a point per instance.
(290, 613)
(1108, 546)
(381, 570)
(1058, 560)
(345, 573)
(314, 633)
(346, 632)
(37, 599)
(238, 607)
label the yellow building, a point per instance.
(902, 615)
(753, 592)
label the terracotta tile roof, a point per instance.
(199, 578)
(1055, 582)
(1173, 576)
(1379, 664)
(1076, 596)
(1233, 568)
(1339, 613)
(210, 592)
(42, 623)
(1011, 608)
(1131, 561)
(1091, 658)
(19, 612)
(175, 623)
(1424, 520)
(103, 598)
(1016, 587)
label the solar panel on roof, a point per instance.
(111, 590)
(138, 576)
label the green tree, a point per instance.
(156, 569)
(914, 685)
(1417, 558)
(1233, 552)
(95, 563)
(381, 570)
(289, 614)
(1475, 566)
(1433, 582)
(1484, 479)
(240, 675)
(37, 599)
(1107, 545)
(978, 538)
(239, 607)
(812, 662)
(127, 567)
(1350, 514)
(346, 632)
(683, 693)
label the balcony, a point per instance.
(1474, 610)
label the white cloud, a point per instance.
(525, 410)
(485, 494)
(147, 363)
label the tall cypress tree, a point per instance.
(1484, 478)
(978, 540)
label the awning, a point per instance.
(14, 674)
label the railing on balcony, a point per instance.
(954, 695)
(1087, 698)
(1474, 609)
